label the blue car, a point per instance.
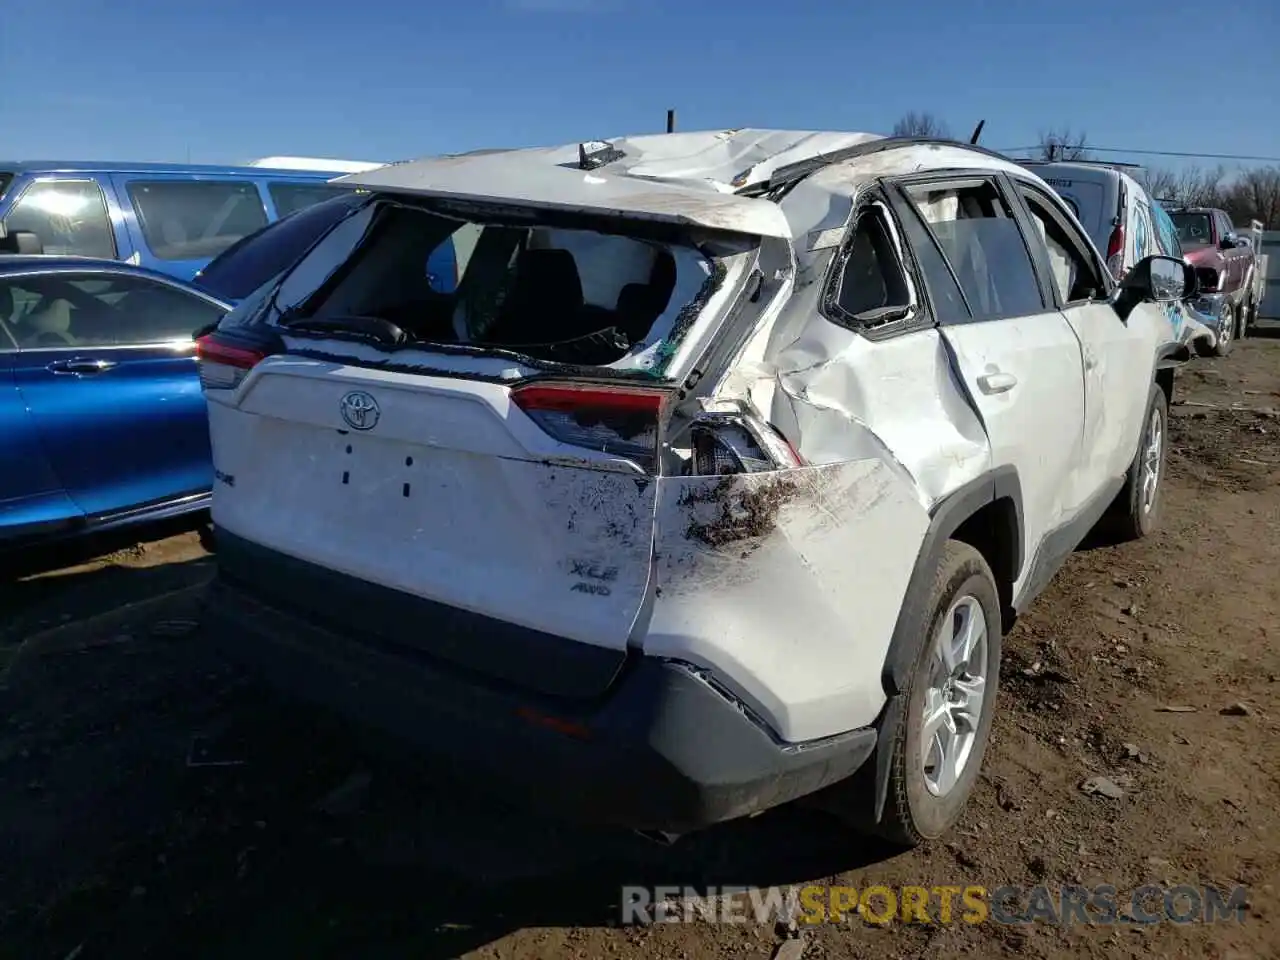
(101, 413)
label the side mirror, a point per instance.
(1156, 279)
(1228, 242)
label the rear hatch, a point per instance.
(467, 473)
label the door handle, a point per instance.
(997, 382)
(80, 366)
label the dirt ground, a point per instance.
(153, 803)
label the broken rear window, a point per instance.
(567, 295)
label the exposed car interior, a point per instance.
(562, 294)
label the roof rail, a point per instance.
(791, 174)
(1092, 163)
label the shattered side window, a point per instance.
(872, 286)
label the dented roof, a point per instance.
(687, 178)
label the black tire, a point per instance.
(1131, 516)
(912, 813)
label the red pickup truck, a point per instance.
(1227, 265)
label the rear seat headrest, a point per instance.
(545, 279)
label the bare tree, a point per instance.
(1064, 145)
(1252, 195)
(1162, 184)
(1192, 186)
(1256, 196)
(921, 124)
(1200, 187)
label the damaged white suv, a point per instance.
(711, 481)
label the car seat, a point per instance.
(48, 325)
(7, 336)
(173, 234)
(545, 304)
(640, 304)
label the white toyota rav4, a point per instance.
(713, 482)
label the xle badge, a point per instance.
(359, 410)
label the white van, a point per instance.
(1126, 224)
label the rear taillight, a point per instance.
(621, 420)
(1115, 252)
(224, 364)
(729, 443)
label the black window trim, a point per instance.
(958, 178)
(872, 201)
(902, 208)
(78, 272)
(1083, 248)
(102, 194)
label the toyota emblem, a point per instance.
(360, 410)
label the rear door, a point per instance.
(179, 223)
(107, 373)
(1017, 354)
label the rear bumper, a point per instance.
(664, 749)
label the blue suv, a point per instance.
(173, 218)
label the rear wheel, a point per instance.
(941, 736)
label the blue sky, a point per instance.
(231, 80)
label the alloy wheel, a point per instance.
(953, 700)
(1151, 456)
